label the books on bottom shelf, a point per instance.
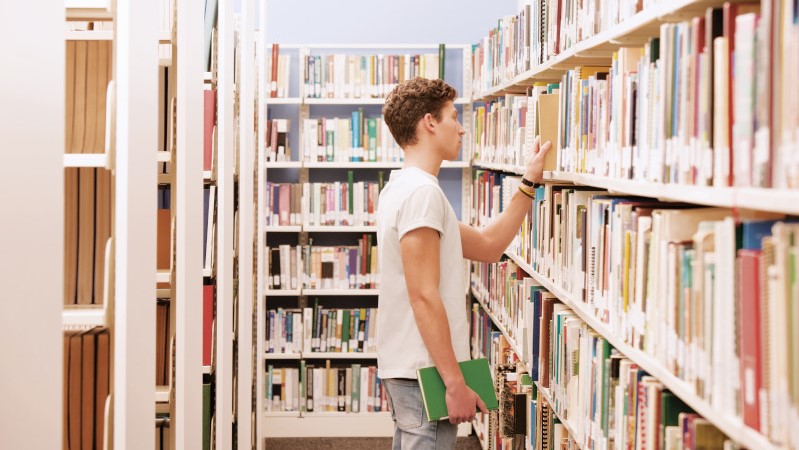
(87, 384)
(322, 330)
(310, 388)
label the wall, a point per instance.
(379, 22)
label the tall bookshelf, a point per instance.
(747, 199)
(296, 107)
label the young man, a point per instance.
(423, 319)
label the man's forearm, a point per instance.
(431, 319)
(504, 227)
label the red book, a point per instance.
(730, 12)
(273, 79)
(209, 118)
(749, 337)
(208, 321)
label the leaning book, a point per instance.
(477, 376)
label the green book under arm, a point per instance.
(477, 376)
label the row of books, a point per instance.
(606, 399)
(489, 193)
(320, 329)
(352, 139)
(277, 140)
(366, 76)
(324, 267)
(88, 71)
(311, 388)
(692, 106)
(323, 204)
(542, 30)
(278, 73)
(87, 383)
(668, 280)
(87, 229)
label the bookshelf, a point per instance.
(744, 198)
(297, 107)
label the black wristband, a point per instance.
(529, 183)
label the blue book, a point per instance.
(536, 299)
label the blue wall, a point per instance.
(378, 22)
(382, 22)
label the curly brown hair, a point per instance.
(409, 101)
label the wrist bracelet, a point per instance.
(529, 183)
(524, 191)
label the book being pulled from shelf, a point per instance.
(365, 76)
(318, 329)
(352, 139)
(324, 388)
(324, 267)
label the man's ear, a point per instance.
(429, 121)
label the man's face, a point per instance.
(450, 132)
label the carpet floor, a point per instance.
(464, 443)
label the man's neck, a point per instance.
(422, 158)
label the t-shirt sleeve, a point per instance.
(423, 208)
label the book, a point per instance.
(477, 376)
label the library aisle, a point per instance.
(190, 252)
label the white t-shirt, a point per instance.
(413, 199)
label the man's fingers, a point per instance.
(481, 404)
(544, 148)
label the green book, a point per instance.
(442, 54)
(207, 416)
(371, 143)
(477, 376)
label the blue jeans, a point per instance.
(412, 430)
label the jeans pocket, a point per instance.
(406, 403)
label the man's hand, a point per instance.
(462, 403)
(535, 160)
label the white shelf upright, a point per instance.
(186, 425)
(224, 253)
(136, 75)
(246, 232)
(31, 231)
(260, 297)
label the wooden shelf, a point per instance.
(598, 49)
(728, 423)
(499, 167)
(283, 356)
(360, 101)
(327, 424)
(85, 160)
(283, 292)
(83, 317)
(761, 199)
(283, 228)
(340, 229)
(338, 355)
(283, 165)
(89, 35)
(341, 292)
(162, 394)
(164, 157)
(88, 10)
(283, 101)
(353, 165)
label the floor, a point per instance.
(464, 443)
